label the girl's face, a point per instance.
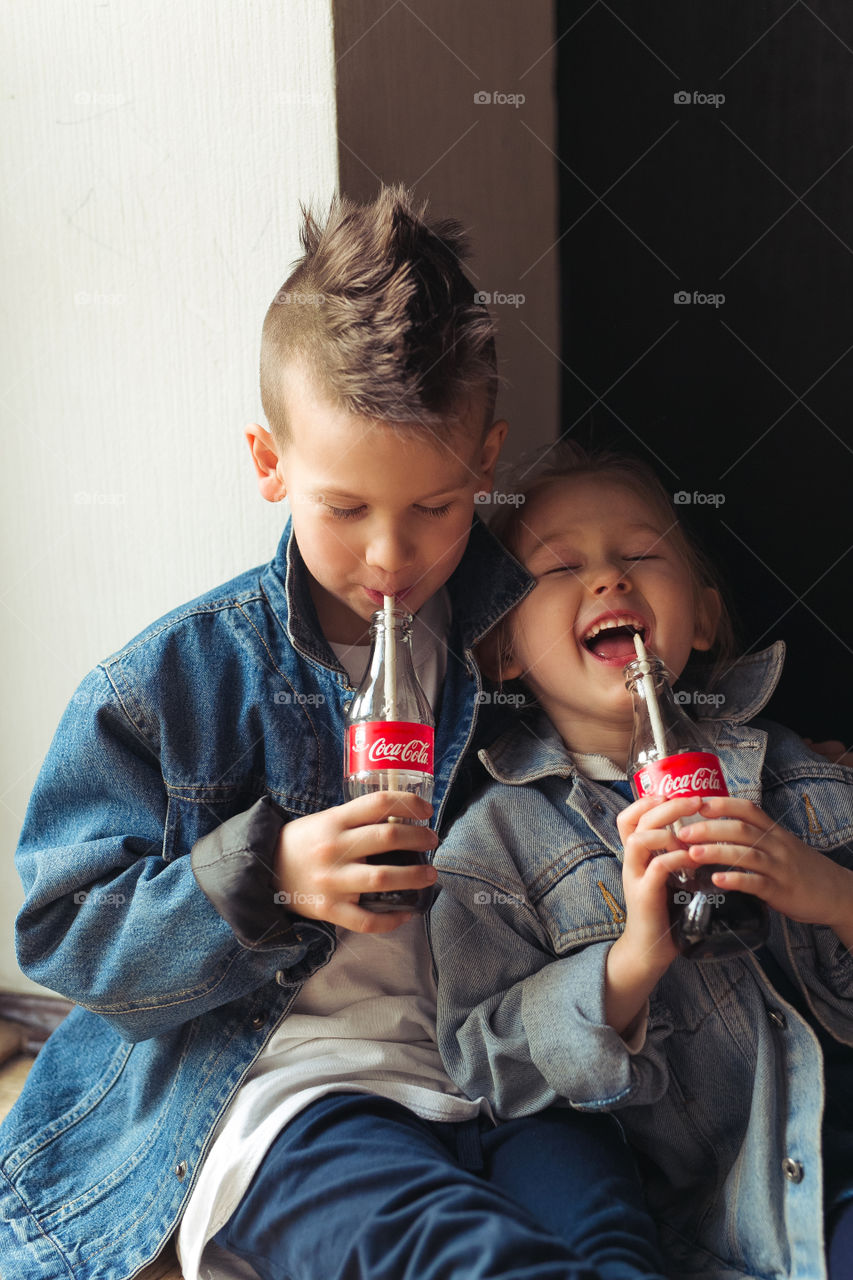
(605, 567)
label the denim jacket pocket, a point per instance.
(579, 897)
(193, 812)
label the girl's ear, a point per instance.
(707, 618)
(494, 655)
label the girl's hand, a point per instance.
(641, 956)
(651, 853)
(771, 863)
(835, 752)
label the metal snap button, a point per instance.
(259, 1020)
(347, 706)
(793, 1170)
(778, 1018)
(181, 1170)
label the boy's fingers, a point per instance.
(381, 877)
(357, 920)
(385, 837)
(381, 805)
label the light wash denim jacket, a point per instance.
(177, 758)
(723, 1097)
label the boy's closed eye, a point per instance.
(352, 513)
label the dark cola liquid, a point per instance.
(709, 922)
(418, 901)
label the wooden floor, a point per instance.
(12, 1076)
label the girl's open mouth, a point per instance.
(611, 639)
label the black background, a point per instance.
(751, 199)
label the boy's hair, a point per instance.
(383, 317)
(568, 459)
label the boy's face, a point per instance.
(600, 555)
(376, 511)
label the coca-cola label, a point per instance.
(389, 744)
(692, 773)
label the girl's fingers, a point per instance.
(664, 812)
(722, 831)
(744, 857)
(742, 882)
(732, 807)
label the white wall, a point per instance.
(154, 156)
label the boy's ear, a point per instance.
(490, 452)
(707, 618)
(266, 457)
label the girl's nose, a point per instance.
(610, 578)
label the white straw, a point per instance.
(390, 675)
(651, 696)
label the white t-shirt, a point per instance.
(364, 1023)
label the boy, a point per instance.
(192, 876)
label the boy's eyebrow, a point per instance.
(461, 483)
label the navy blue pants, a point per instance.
(840, 1260)
(358, 1188)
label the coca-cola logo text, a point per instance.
(395, 744)
(694, 773)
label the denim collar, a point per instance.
(484, 586)
(533, 749)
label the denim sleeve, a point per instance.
(523, 1026)
(107, 921)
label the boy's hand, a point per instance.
(790, 876)
(319, 860)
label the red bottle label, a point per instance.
(389, 744)
(692, 773)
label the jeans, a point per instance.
(357, 1187)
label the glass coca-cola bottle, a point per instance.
(671, 757)
(389, 743)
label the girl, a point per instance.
(559, 982)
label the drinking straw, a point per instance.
(390, 675)
(651, 697)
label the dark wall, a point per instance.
(743, 398)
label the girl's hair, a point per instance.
(566, 460)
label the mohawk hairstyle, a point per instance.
(383, 316)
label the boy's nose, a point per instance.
(389, 552)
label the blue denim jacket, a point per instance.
(723, 1097)
(231, 699)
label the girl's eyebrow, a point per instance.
(565, 532)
